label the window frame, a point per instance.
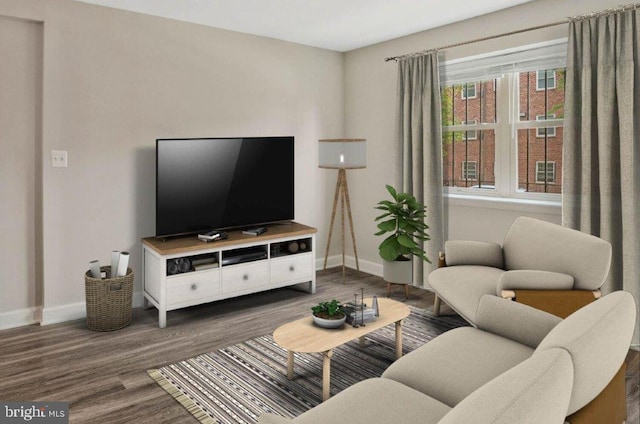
(506, 127)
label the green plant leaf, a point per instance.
(406, 241)
(392, 191)
(389, 225)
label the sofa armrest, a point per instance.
(514, 321)
(466, 252)
(534, 280)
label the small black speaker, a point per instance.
(184, 264)
(172, 267)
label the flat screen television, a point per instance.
(220, 183)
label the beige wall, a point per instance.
(115, 81)
(370, 84)
(20, 173)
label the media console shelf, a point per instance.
(185, 271)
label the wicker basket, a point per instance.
(108, 300)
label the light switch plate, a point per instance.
(59, 158)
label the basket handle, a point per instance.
(115, 287)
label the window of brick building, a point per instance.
(545, 172)
(468, 91)
(470, 170)
(546, 79)
(548, 131)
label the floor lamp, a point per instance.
(342, 154)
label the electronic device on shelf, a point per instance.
(213, 236)
(254, 231)
(243, 255)
(223, 183)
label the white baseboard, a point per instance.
(369, 267)
(20, 317)
(52, 315)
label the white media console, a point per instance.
(242, 264)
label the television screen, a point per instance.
(219, 183)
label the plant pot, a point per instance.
(399, 272)
(329, 323)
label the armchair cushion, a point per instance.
(536, 391)
(464, 252)
(514, 321)
(535, 244)
(462, 286)
(467, 252)
(534, 280)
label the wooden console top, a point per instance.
(185, 244)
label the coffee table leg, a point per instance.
(326, 374)
(290, 364)
(398, 339)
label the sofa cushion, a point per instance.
(534, 280)
(375, 400)
(454, 364)
(515, 321)
(465, 252)
(536, 391)
(539, 245)
(597, 337)
(462, 286)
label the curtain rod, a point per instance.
(519, 31)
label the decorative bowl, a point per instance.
(329, 323)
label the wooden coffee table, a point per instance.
(303, 336)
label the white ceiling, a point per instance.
(340, 25)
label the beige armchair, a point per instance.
(541, 264)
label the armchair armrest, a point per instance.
(466, 252)
(534, 280)
(514, 321)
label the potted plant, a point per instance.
(329, 314)
(403, 220)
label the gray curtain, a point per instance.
(601, 168)
(418, 149)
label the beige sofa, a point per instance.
(544, 265)
(520, 365)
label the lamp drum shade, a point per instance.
(343, 153)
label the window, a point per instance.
(546, 80)
(468, 91)
(473, 134)
(545, 174)
(548, 131)
(470, 170)
(502, 137)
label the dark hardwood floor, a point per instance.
(103, 375)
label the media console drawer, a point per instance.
(292, 268)
(237, 278)
(183, 289)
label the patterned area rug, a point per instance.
(240, 382)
